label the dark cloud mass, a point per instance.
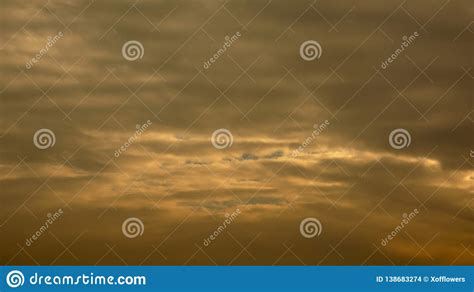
(278, 170)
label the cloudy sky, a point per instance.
(266, 131)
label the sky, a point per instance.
(212, 132)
